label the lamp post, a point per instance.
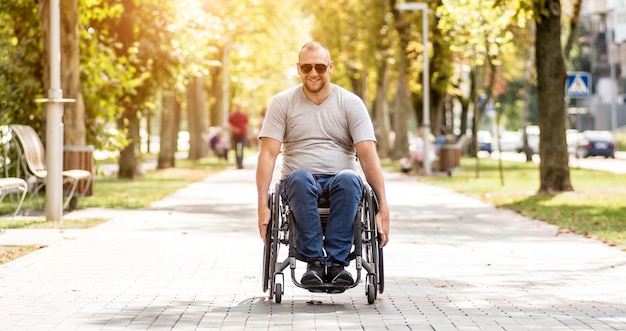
(426, 75)
(54, 123)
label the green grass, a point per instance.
(154, 186)
(595, 208)
(111, 192)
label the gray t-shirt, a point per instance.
(317, 138)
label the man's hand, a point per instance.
(382, 224)
(264, 220)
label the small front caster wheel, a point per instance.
(371, 293)
(278, 293)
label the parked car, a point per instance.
(532, 134)
(595, 143)
(571, 137)
(509, 141)
(484, 141)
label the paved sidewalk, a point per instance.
(193, 262)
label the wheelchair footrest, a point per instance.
(327, 288)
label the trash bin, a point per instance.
(449, 158)
(79, 157)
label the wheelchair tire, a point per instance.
(371, 293)
(278, 293)
(373, 252)
(270, 252)
(267, 253)
(381, 271)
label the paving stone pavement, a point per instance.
(193, 262)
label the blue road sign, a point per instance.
(578, 85)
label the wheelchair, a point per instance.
(281, 231)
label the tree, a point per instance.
(551, 76)
(169, 131)
(403, 98)
(481, 37)
(143, 44)
(21, 65)
(198, 119)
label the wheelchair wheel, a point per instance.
(371, 293)
(270, 251)
(278, 298)
(381, 271)
(266, 253)
(373, 252)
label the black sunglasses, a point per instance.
(319, 67)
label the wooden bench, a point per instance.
(32, 157)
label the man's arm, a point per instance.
(268, 151)
(370, 163)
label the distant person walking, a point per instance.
(218, 146)
(238, 121)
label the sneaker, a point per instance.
(338, 275)
(314, 274)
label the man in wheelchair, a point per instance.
(323, 130)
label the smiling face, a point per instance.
(314, 68)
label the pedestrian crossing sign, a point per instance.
(578, 85)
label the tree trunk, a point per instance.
(169, 132)
(526, 101)
(215, 93)
(74, 112)
(197, 120)
(129, 165)
(438, 116)
(465, 102)
(402, 104)
(381, 111)
(551, 76)
(473, 147)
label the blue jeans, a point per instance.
(344, 191)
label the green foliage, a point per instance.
(21, 67)
(481, 31)
(510, 104)
(580, 56)
(103, 75)
(127, 61)
(262, 39)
